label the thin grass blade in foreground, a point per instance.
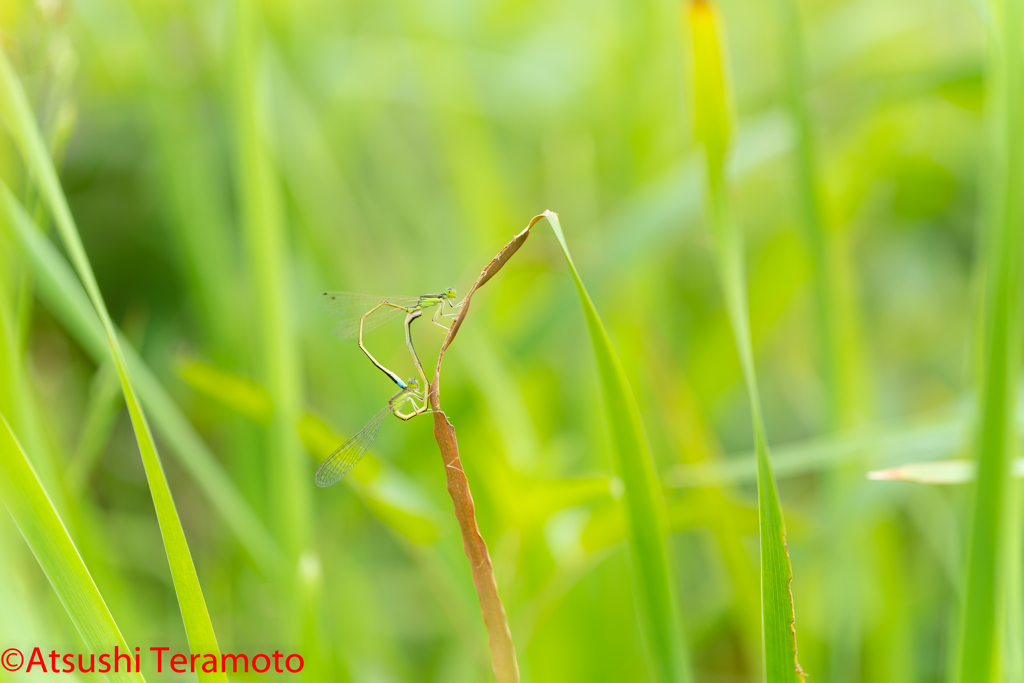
(38, 522)
(838, 364)
(63, 296)
(985, 579)
(647, 528)
(18, 116)
(711, 112)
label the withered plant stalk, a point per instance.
(503, 653)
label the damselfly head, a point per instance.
(450, 293)
(412, 382)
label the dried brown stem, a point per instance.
(503, 653)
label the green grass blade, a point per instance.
(711, 105)
(62, 294)
(37, 518)
(45, 534)
(38, 521)
(837, 359)
(100, 414)
(18, 116)
(811, 211)
(262, 217)
(984, 593)
(647, 526)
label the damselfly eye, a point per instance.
(450, 292)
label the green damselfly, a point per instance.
(352, 451)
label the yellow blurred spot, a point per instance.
(235, 392)
(710, 101)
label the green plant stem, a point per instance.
(985, 579)
(263, 226)
(713, 130)
(809, 199)
(777, 613)
(839, 408)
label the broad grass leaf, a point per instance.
(996, 441)
(45, 534)
(644, 503)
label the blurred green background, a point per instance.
(401, 145)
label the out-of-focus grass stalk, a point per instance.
(262, 217)
(18, 116)
(1014, 633)
(889, 445)
(477, 178)
(698, 448)
(201, 227)
(34, 513)
(809, 198)
(57, 127)
(892, 639)
(843, 581)
(193, 194)
(57, 135)
(101, 411)
(238, 393)
(955, 471)
(23, 413)
(647, 527)
(712, 118)
(187, 180)
(62, 294)
(985, 591)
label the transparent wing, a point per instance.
(349, 307)
(351, 452)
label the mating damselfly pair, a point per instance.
(361, 313)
